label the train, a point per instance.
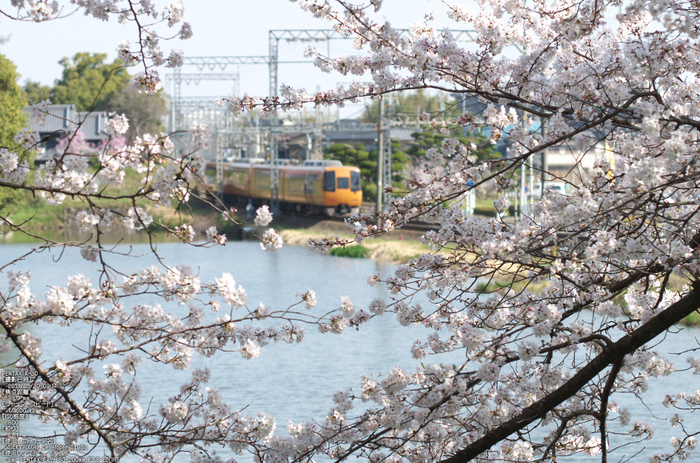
(316, 187)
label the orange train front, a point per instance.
(316, 187)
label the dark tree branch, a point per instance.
(603, 416)
(611, 355)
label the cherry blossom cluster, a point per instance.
(553, 315)
(624, 230)
(114, 405)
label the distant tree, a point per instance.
(412, 104)
(88, 82)
(427, 138)
(399, 163)
(35, 92)
(144, 111)
(12, 102)
(357, 156)
(12, 116)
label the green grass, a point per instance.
(356, 251)
(491, 287)
(37, 216)
(692, 320)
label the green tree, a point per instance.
(399, 163)
(411, 104)
(12, 116)
(12, 103)
(145, 112)
(357, 156)
(35, 92)
(427, 138)
(88, 82)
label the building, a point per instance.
(63, 120)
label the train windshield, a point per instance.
(343, 183)
(355, 184)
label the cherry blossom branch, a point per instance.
(610, 356)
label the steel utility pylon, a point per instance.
(273, 62)
(324, 35)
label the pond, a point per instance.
(292, 382)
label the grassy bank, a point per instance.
(692, 320)
(387, 248)
(356, 251)
(35, 215)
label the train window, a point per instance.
(296, 185)
(355, 184)
(238, 178)
(329, 181)
(309, 184)
(261, 179)
(343, 183)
